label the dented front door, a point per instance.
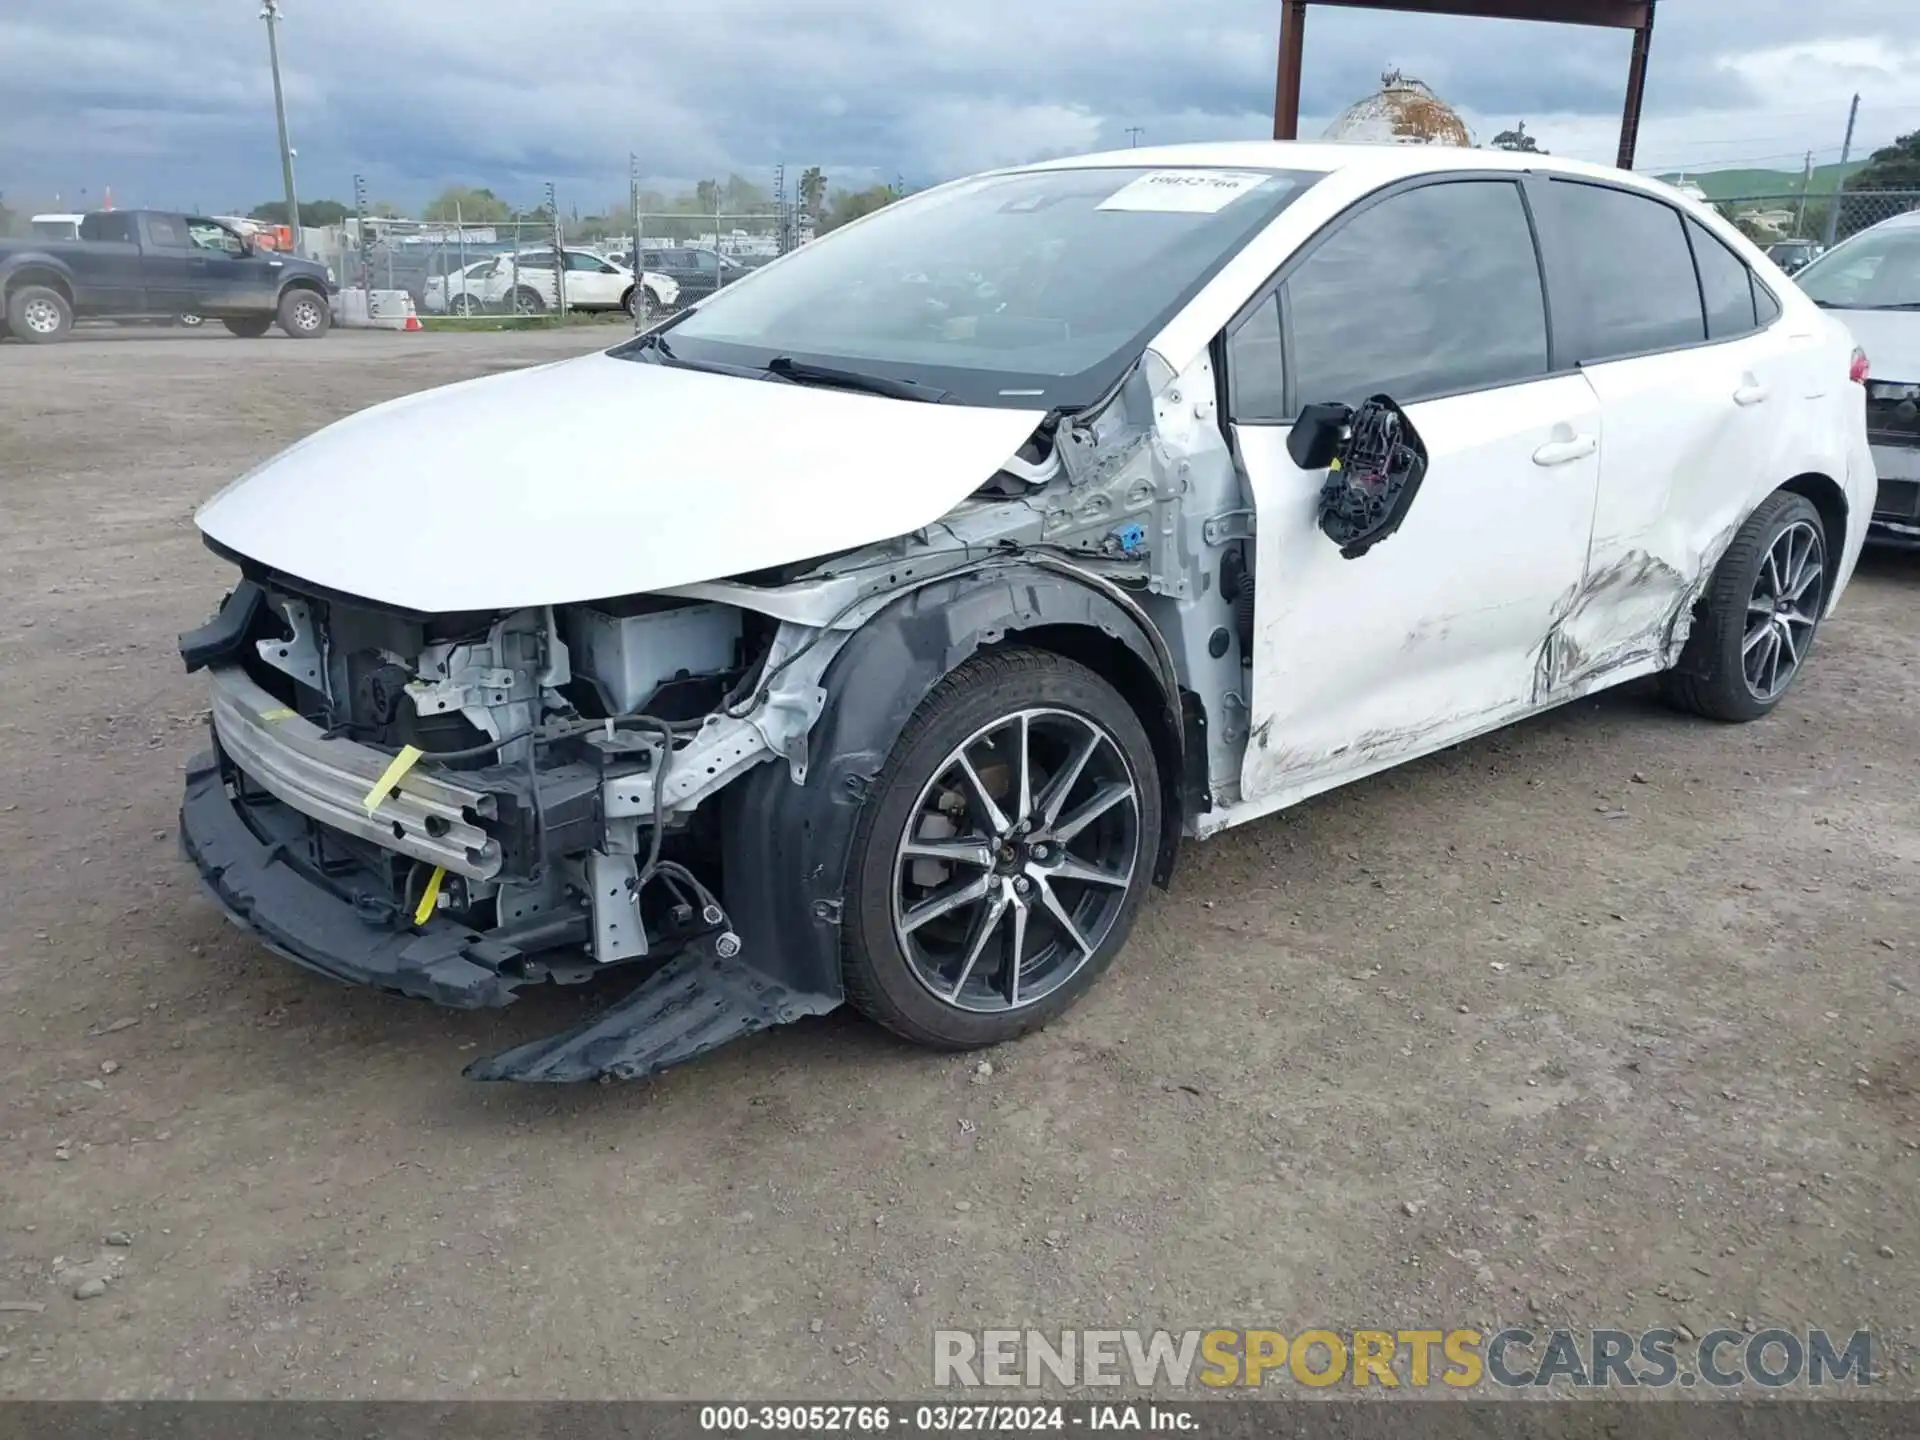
(1438, 631)
(1433, 295)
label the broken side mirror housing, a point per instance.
(1315, 438)
(1373, 474)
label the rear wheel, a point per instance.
(38, 314)
(1753, 627)
(248, 327)
(304, 314)
(999, 870)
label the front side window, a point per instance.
(1725, 285)
(1629, 258)
(1428, 292)
(212, 235)
(1875, 270)
(581, 262)
(1037, 287)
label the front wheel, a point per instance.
(528, 302)
(304, 315)
(465, 306)
(999, 869)
(1755, 623)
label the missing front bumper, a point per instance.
(254, 866)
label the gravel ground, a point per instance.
(1609, 1019)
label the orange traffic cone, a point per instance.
(413, 317)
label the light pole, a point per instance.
(270, 12)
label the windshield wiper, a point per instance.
(664, 354)
(801, 372)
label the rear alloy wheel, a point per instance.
(1000, 868)
(304, 315)
(1753, 627)
(38, 314)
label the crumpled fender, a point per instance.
(786, 846)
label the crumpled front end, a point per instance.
(454, 807)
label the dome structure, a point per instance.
(1402, 112)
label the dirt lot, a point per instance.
(1607, 1020)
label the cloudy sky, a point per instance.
(170, 101)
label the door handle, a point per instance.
(1561, 452)
(1750, 392)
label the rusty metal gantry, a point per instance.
(1634, 15)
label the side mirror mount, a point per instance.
(1372, 478)
(1317, 434)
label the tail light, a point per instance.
(1859, 371)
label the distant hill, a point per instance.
(1736, 184)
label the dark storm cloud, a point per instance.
(169, 100)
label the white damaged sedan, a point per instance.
(877, 630)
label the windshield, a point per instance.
(1036, 289)
(1875, 270)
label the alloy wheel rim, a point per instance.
(306, 315)
(1783, 609)
(1016, 860)
(42, 316)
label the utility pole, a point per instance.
(1846, 153)
(1134, 132)
(639, 271)
(1806, 181)
(270, 12)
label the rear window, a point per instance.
(1633, 267)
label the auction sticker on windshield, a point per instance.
(1187, 192)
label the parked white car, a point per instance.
(978, 555)
(1872, 283)
(524, 283)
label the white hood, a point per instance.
(597, 477)
(1891, 339)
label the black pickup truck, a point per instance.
(150, 264)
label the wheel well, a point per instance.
(1123, 668)
(1830, 500)
(39, 275)
(303, 283)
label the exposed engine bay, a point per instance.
(521, 796)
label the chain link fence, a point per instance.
(1824, 220)
(641, 264)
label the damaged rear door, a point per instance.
(1675, 336)
(1431, 294)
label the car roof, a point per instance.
(1381, 163)
(1907, 221)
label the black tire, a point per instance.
(1715, 675)
(304, 314)
(630, 302)
(523, 301)
(881, 981)
(248, 327)
(38, 314)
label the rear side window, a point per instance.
(1766, 305)
(108, 226)
(1630, 259)
(1725, 285)
(1429, 292)
(168, 231)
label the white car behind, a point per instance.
(524, 284)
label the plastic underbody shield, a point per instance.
(254, 870)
